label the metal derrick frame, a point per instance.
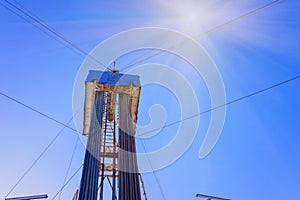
(109, 139)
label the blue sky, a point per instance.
(257, 155)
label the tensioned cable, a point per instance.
(38, 158)
(39, 28)
(154, 173)
(209, 110)
(225, 104)
(167, 125)
(38, 112)
(36, 19)
(201, 113)
(172, 123)
(147, 58)
(51, 118)
(69, 167)
(53, 31)
(45, 32)
(68, 181)
(201, 35)
(43, 152)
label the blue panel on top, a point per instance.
(110, 78)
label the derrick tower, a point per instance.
(110, 115)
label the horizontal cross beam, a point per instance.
(210, 197)
(43, 196)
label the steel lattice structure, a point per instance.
(110, 115)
